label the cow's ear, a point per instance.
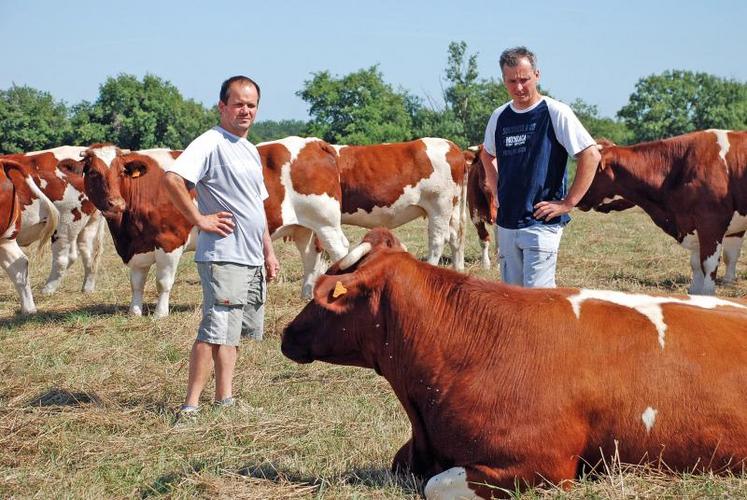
(135, 168)
(70, 166)
(337, 292)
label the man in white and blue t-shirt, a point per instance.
(234, 252)
(530, 138)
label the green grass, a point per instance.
(88, 393)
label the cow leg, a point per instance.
(311, 258)
(166, 266)
(61, 248)
(16, 264)
(482, 481)
(438, 232)
(90, 246)
(333, 241)
(484, 235)
(138, 274)
(457, 238)
(732, 249)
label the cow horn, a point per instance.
(355, 255)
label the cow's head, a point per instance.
(343, 324)
(602, 194)
(480, 197)
(104, 167)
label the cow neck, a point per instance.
(646, 174)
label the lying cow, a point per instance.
(693, 186)
(391, 184)
(482, 205)
(80, 230)
(19, 193)
(509, 386)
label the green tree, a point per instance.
(140, 115)
(30, 120)
(269, 130)
(469, 101)
(359, 108)
(677, 102)
(601, 127)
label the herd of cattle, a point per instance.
(693, 186)
(486, 372)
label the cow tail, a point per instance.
(463, 212)
(53, 216)
(98, 242)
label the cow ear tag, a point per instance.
(339, 290)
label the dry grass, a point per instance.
(88, 394)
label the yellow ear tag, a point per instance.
(339, 290)
(136, 174)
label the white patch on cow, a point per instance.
(338, 148)
(450, 484)
(722, 137)
(62, 152)
(162, 156)
(106, 154)
(649, 306)
(737, 224)
(709, 272)
(649, 417)
(607, 201)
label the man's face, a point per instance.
(521, 83)
(237, 115)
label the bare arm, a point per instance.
(586, 166)
(490, 165)
(220, 223)
(272, 265)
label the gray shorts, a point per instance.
(233, 297)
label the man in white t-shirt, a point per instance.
(234, 253)
(526, 147)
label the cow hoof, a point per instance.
(48, 290)
(160, 314)
(136, 311)
(307, 292)
(88, 287)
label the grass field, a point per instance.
(88, 393)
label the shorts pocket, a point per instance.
(228, 284)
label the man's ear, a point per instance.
(337, 293)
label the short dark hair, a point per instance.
(511, 57)
(225, 88)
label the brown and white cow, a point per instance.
(693, 186)
(81, 227)
(303, 183)
(482, 205)
(391, 184)
(145, 226)
(19, 193)
(508, 386)
(304, 200)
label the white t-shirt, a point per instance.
(227, 173)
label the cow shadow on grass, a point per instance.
(368, 477)
(57, 397)
(90, 311)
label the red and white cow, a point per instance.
(482, 205)
(145, 226)
(693, 186)
(302, 180)
(507, 386)
(81, 227)
(391, 184)
(19, 193)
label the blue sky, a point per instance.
(596, 51)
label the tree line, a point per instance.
(358, 108)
